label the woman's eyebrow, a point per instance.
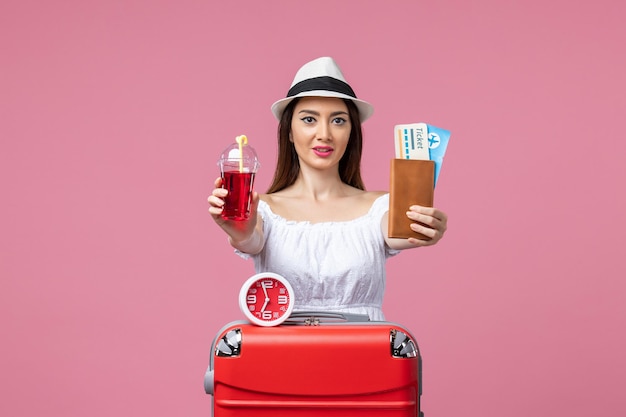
(316, 113)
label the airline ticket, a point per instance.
(421, 141)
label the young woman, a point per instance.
(317, 225)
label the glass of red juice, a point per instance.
(238, 168)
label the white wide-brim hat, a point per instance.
(321, 78)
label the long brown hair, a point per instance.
(288, 165)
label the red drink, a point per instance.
(237, 202)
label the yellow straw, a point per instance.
(241, 140)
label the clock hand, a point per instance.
(267, 298)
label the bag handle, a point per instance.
(314, 318)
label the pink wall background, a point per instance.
(114, 280)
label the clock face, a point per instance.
(266, 299)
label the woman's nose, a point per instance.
(323, 132)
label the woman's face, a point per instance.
(320, 130)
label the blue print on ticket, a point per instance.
(438, 139)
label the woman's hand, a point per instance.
(434, 223)
(241, 233)
(216, 202)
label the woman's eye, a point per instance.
(339, 121)
(308, 119)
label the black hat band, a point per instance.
(321, 83)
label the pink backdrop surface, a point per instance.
(114, 280)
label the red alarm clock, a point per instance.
(266, 299)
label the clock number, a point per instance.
(282, 299)
(268, 284)
(267, 315)
(251, 299)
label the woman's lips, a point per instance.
(322, 151)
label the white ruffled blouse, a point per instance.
(332, 266)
